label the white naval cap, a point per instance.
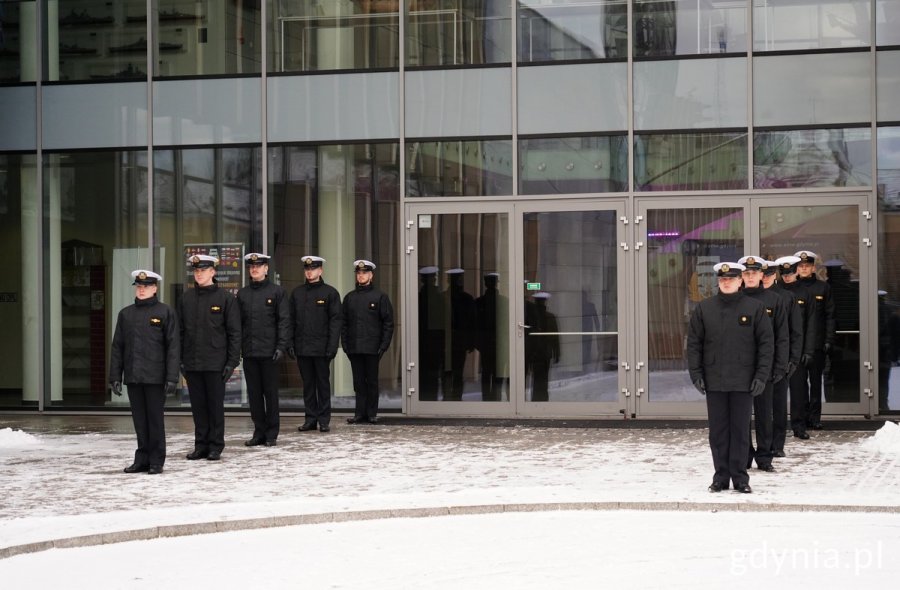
(428, 270)
(806, 256)
(145, 277)
(361, 264)
(541, 295)
(752, 262)
(256, 258)
(729, 269)
(455, 271)
(788, 264)
(202, 261)
(312, 261)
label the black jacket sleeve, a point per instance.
(765, 345)
(117, 351)
(695, 339)
(334, 323)
(173, 347)
(387, 322)
(781, 333)
(233, 331)
(345, 310)
(285, 337)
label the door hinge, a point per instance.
(409, 250)
(867, 215)
(409, 223)
(868, 365)
(869, 392)
(410, 392)
(867, 242)
(624, 246)
(640, 391)
(626, 392)
(624, 220)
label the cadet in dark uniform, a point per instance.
(365, 335)
(730, 350)
(541, 346)
(823, 321)
(461, 334)
(146, 349)
(265, 338)
(210, 351)
(432, 331)
(799, 387)
(795, 350)
(776, 310)
(316, 319)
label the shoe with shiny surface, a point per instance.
(743, 488)
(155, 470)
(307, 426)
(816, 426)
(355, 420)
(767, 468)
(197, 454)
(374, 420)
(324, 428)
(214, 456)
(254, 442)
(801, 434)
(270, 443)
(778, 454)
(135, 468)
(717, 487)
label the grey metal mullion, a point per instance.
(514, 93)
(871, 225)
(749, 94)
(410, 353)
(43, 68)
(264, 131)
(151, 41)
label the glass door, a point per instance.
(836, 230)
(570, 312)
(677, 245)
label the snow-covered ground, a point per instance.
(59, 485)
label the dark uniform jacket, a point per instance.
(265, 319)
(803, 301)
(146, 345)
(316, 317)
(776, 309)
(795, 323)
(730, 342)
(823, 311)
(368, 321)
(210, 329)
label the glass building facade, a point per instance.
(543, 184)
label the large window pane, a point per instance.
(97, 40)
(207, 37)
(690, 161)
(887, 22)
(688, 27)
(18, 48)
(356, 35)
(812, 157)
(550, 30)
(888, 269)
(340, 202)
(463, 168)
(683, 245)
(95, 228)
(20, 301)
(689, 94)
(559, 165)
(206, 201)
(457, 32)
(888, 85)
(797, 24)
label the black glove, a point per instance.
(827, 347)
(791, 368)
(757, 387)
(700, 385)
(291, 354)
(116, 387)
(804, 360)
(226, 373)
(170, 387)
(277, 356)
(380, 352)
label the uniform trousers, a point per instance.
(763, 424)
(779, 414)
(262, 390)
(816, 369)
(365, 385)
(207, 393)
(799, 398)
(316, 374)
(147, 403)
(729, 434)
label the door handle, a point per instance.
(521, 325)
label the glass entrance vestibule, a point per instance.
(580, 307)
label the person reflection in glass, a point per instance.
(461, 336)
(431, 333)
(590, 322)
(491, 307)
(541, 346)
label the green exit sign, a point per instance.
(533, 286)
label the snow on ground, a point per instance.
(63, 485)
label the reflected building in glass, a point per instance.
(544, 185)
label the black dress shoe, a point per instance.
(373, 420)
(717, 487)
(195, 454)
(155, 470)
(816, 426)
(214, 456)
(307, 426)
(355, 420)
(135, 468)
(270, 443)
(778, 454)
(254, 442)
(768, 468)
(324, 428)
(801, 434)
(743, 488)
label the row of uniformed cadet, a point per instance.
(796, 321)
(214, 329)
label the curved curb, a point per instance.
(203, 528)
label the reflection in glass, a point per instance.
(780, 26)
(887, 84)
(95, 214)
(571, 306)
(683, 246)
(340, 202)
(888, 269)
(690, 161)
(18, 62)
(832, 232)
(688, 27)
(463, 307)
(206, 37)
(559, 165)
(456, 32)
(550, 30)
(812, 157)
(887, 22)
(206, 200)
(20, 302)
(314, 36)
(98, 40)
(459, 168)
